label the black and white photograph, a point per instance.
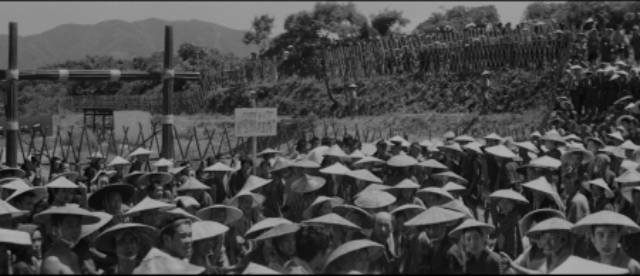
(310, 137)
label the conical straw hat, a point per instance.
(464, 138)
(96, 199)
(39, 193)
(437, 191)
(256, 269)
(600, 183)
(186, 201)
(526, 222)
(406, 184)
(553, 136)
(162, 162)
(572, 137)
(614, 151)
(408, 208)
(606, 217)
(218, 167)
(10, 236)
(457, 206)
(398, 139)
(368, 159)
(193, 184)
(68, 209)
(545, 162)
(616, 135)
(450, 175)
(357, 155)
(257, 199)
(334, 201)
(402, 160)
(62, 183)
(118, 161)
(577, 265)
(264, 225)
(473, 146)
(628, 145)
(147, 178)
(587, 156)
(336, 169)
(16, 184)
(434, 215)
(336, 151)
(509, 194)
(352, 246)
(215, 213)
(470, 224)
(551, 224)
(332, 219)
(158, 262)
(149, 204)
(501, 151)
(268, 151)
(106, 241)
(631, 176)
(8, 209)
(374, 199)
(279, 231)
(140, 151)
(433, 164)
(541, 185)
(364, 175)
(345, 210)
(254, 182)
(629, 165)
(528, 146)
(453, 147)
(493, 136)
(307, 183)
(453, 187)
(305, 163)
(368, 149)
(89, 229)
(206, 229)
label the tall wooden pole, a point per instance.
(167, 93)
(11, 105)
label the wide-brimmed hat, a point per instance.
(353, 246)
(572, 137)
(464, 138)
(219, 167)
(541, 185)
(345, 209)
(616, 135)
(132, 177)
(279, 231)
(606, 217)
(627, 177)
(163, 177)
(140, 151)
(373, 187)
(501, 151)
(186, 201)
(264, 225)
(106, 241)
(118, 161)
(336, 151)
(535, 134)
(254, 182)
(332, 219)
(626, 118)
(415, 208)
(268, 151)
(595, 140)
(334, 201)
(374, 199)
(162, 162)
(177, 214)
(193, 184)
(473, 146)
(551, 224)
(510, 195)
(450, 175)
(368, 149)
(433, 164)
(402, 160)
(470, 224)
(434, 215)
(364, 175)
(452, 147)
(61, 183)
(406, 184)
(545, 162)
(256, 269)
(453, 187)
(71, 175)
(305, 163)
(629, 165)
(149, 204)
(38, 192)
(457, 206)
(96, 199)
(14, 184)
(108, 173)
(214, 213)
(602, 184)
(587, 156)
(628, 145)
(307, 183)
(206, 229)
(15, 237)
(493, 136)
(436, 191)
(176, 170)
(526, 221)
(579, 266)
(12, 172)
(553, 136)
(368, 159)
(68, 209)
(281, 164)
(357, 155)
(398, 140)
(257, 199)
(336, 169)
(89, 229)
(528, 146)
(159, 262)
(8, 209)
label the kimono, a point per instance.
(425, 258)
(622, 260)
(508, 233)
(486, 263)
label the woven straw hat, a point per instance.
(600, 183)
(307, 183)
(206, 229)
(464, 139)
(434, 215)
(433, 164)
(510, 195)
(526, 221)
(218, 167)
(158, 262)
(364, 175)
(8, 209)
(501, 151)
(279, 231)
(268, 151)
(353, 246)
(89, 229)
(453, 187)
(193, 184)
(606, 217)
(68, 209)
(545, 162)
(106, 241)
(336, 169)
(402, 160)
(116, 161)
(334, 201)
(256, 269)
(346, 211)
(264, 225)
(96, 199)
(15, 237)
(449, 175)
(140, 151)
(332, 219)
(551, 224)
(368, 159)
(577, 265)
(224, 214)
(470, 224)
(62, 183)
(149, 204)
(374, 199)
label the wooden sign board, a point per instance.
(256, 122)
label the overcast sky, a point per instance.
(37, 17)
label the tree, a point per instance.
(383, 21)
(541, 11)
(459, 16)
(260, 31)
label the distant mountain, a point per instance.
(119, 39)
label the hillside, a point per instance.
(120, 39)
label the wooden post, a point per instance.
(167, 94)
(11, 104)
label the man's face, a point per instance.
(287, 245)
(36, 243)
(180, 244)
(436, 232)
(605, 239)
(64, 195)
(474, 241)
(552, 242)
(127, 246)
(70, 228)
(113, 203)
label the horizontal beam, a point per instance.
(93, 75)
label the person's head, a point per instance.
(127, 245)
(66, 228)
(554, 241)
(63, 195)
(176, 238)
(245, 203)
(208, 246)
(571, 182)
(506, 205)
(313, 247)
(436, 231)
(285, 245)
(474, 240)
(605, 238)
(597, 191)
(112, 202)
(382, 224)
(155, 190)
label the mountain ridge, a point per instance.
(120, 39)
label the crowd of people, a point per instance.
(556, 202)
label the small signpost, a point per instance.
(256, 122)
